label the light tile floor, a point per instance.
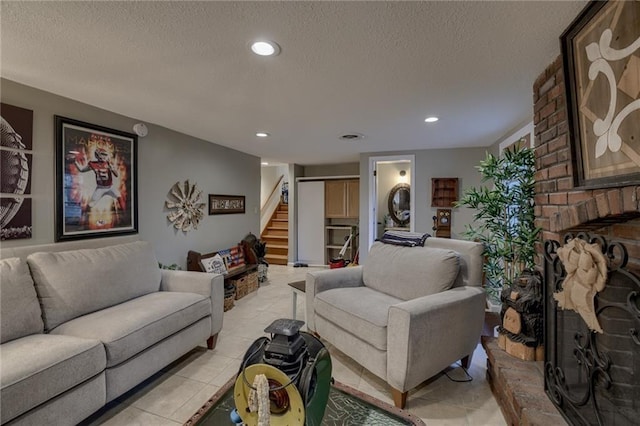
(174, 394)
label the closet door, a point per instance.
(335, 199)
(353, 198)
(311, 223)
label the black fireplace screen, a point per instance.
(594, 378)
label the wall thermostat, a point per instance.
(140, 129)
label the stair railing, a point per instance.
(270, 205)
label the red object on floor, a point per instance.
(337, 263)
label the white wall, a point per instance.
(388, 176)
(164, 158)
(269, 176)
(430, 163)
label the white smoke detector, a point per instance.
(140, 129)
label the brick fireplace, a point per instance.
(560, 206)
(592, 376)
(612, 213)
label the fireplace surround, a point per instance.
(592, 377)
(608, 216)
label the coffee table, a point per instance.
(297, 288)
(346, 406)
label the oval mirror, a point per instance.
(400, 204)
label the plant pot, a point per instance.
(493, 306)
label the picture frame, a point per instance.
(601, 61)
(96, 181)
(226, 204)
(214, 264)
(16, 164)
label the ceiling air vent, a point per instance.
(351, 136)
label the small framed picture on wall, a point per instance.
(226, 204)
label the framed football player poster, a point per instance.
(96, 181)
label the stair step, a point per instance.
(277, 259)
(276, 256)
(278, 231)
(277, 246)
(279, 225)
(280, 249)
(274, 237)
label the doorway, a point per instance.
(392, 195)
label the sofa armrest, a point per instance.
(319, 281)
(208, 285)
(427, 334)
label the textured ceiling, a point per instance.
(377, 68)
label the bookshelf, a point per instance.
(336, 235)
(444, 192)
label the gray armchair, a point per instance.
(406, 314)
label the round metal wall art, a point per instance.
(185, 199)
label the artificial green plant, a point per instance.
(504, 221)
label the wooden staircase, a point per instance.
(276, 235)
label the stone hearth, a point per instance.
(519, 388)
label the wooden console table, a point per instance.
(194, 263)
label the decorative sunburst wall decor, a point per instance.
(188, 208)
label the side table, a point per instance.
(297, 288)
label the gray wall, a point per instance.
(343, 169)
(164, 158)
(494, 149)
(431, 163)
(295, 171)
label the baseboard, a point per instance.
(310, 265)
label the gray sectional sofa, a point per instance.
(80, 328)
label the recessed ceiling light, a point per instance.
(262, 134)
(264, 163)
(352, 136)
(265, 48)
(431, 119)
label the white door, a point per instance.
(311, 249)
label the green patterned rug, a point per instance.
(346, 407)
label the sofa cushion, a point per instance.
(78, 282)
(410, 272)
(39, 367)
(21, 315)
(131, 327)
(471, 256)
(361, 311)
